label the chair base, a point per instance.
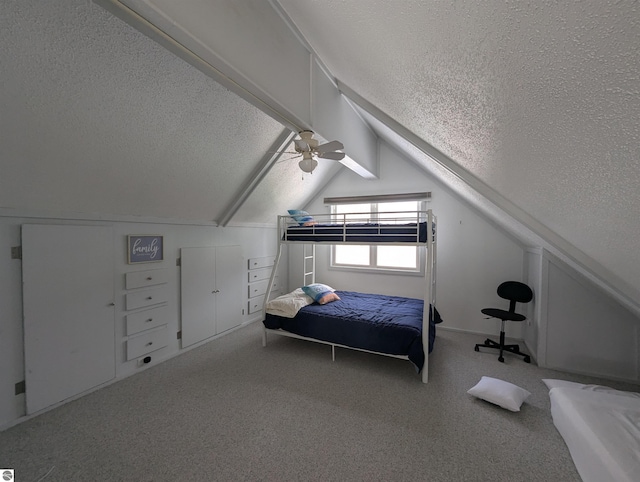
(515, 349)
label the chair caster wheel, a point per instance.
(501, 359)
(527, 359)
(477, 349)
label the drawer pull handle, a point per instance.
(149, 297)
(149, 278)
(150, 319)
(150, 343)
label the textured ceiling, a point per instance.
(97, 118)
(537, 101)
(540, 101)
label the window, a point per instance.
(376, 257)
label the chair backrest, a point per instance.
(514, 291)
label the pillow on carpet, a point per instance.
(320, 293)
(505, 394)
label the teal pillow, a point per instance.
(301, 217)
(320, 293)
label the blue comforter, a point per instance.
(380, 323)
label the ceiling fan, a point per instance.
(309, 148)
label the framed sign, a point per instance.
(144, 249)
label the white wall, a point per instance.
(579, 328)
(255, 242)
(473, 255)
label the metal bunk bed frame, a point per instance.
(309, 261)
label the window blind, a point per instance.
(378, 198)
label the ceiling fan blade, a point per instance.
(296, 156)
(330, 146)
(336, 156)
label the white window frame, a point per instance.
(372, 267)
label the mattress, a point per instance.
(601, 429)
(359, 233)
(379, 323)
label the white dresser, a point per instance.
(258, 282)
(147, 315)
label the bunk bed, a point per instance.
(393, 326)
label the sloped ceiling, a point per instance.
(99, 120)
(538, 101)
(536, 105)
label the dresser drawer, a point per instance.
(256, 304)
(146, 342)
(259, 274)
(140, 299)
(140, 279)
(255, 263)
(259, 288)
(147, 319)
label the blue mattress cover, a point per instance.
(380, 323)
(358, 232)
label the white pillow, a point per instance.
(288, 305)
(505, 394)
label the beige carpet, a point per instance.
(233, 410)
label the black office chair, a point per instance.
(513, 291)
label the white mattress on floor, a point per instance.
(601, 427)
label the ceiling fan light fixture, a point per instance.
(308, 164)
(310, 149)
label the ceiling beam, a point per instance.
(233, 55)
(262, 169)
(214, 67)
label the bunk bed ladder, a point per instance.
(308, 264)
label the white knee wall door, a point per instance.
(69, 313)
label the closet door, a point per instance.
(211, 291)
(198, 296)
(68, 307)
